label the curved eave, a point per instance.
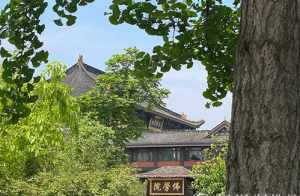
(159, 112)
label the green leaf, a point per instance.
(39, 57)
(217, 104)
(166, 68)
(115, 14)
(58, 22)
(36, 43)
(148, 7)
(4, 53)
(189, 65)
(157, 49)
(40, 28)
(71, 7)
(179, 5)
(71, 20)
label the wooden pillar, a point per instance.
(181, 150)
(155, 157)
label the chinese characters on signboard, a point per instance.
(166, 186)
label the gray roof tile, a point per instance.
(171, 138)
(167, 172)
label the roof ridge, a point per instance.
(223, 123)
(171, 111)
(87, 68)
(93, 69)
(176, 131)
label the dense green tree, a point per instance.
(54, 152)
(119, 94)
(88, 164)
(209, 177)
(54, 113)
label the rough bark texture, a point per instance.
(264, 154)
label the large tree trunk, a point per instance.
(264, 150)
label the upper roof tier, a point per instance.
(81, 77)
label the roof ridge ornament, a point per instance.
(80, 59)
(184, 116)
(82, 66)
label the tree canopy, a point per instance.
(53, 113)
(210, 176)
(58, 150)
(119, 95)
(205, 31)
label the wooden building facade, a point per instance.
(173, 147)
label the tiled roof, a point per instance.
(171, 139)
(222, 125)
(167, 172)
(87, 67)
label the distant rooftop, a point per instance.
(89, 69)
(167, 172)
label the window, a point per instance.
(156, 123)
(196, 154)
(142, 155)
(169, 154)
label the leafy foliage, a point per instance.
(54, 113)
(52, 152)
(114, 182)
(119, 94)
(205, 31)
(88, 164)
(209, 176)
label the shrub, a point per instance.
(210, 176)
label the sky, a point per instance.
(97, 40)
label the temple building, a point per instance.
(171, 145)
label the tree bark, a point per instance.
(264, 150)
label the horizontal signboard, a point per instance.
(166, 186)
